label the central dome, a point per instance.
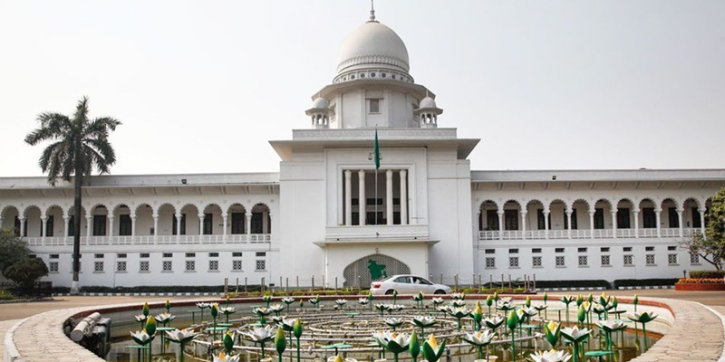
(372, 45)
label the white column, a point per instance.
(22, 226)
(66, 229)
(500, 224)
(403, 198)
(249, 226)
(362, 201)
(348, 197)
(614, 223)
(42, 226)
(389, 196)
(636, 222)
(178, 227)
(568, 222)
(133, 225)
(702, 220)
(201, 223)
(523, 223)
(110, 229)
(224, 225)
(546, 223)
(657, 215)
(679, 220)
(591, 223)
(89, 226)
(156, 227)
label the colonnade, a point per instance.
(362, 206)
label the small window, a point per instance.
(53, 268)
(582, 250)
(490, 251)
(536, 250)
(166, 266)
(190, 265)
(672, 259)
(261, 265)
(213, 265)
(628, 260)
(559, 250)
(604, 250)
(237, 254)
(190, 255)
(536, 261)
(261, 254)
(671, 248)
(54, 256)
(167, 255)
(605, 260)
(649, 248)
(213, 255)
(490, 263)
(627, 249)
(374, 105)
(121, 266)
(99, 256)
(237, 265)
(694, 259)
(560, 262)
(514, 262)
(513, 251)
(650, 259)
(98, 267)
(121, 256)
(583, 260)
(144, 255)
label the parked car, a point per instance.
(407, 284)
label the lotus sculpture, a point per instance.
(552, 332)
(479, 339)
(575, 336)
(393, 342)
(423, 322)
(643, 318)
(550, 356)
(181, 337)
(288, 301)
(267, 299)
(261, 335)
(221, 357)
(610, 327)
(459, 313)
(431, 350)
(394, 323)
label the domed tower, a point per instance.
(373, 86)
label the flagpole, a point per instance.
(376, 196)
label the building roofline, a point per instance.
(597, 175)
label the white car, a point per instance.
(407, 284)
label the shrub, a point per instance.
(597, 283)
(700, 281)
(707, 274)
(644, 282)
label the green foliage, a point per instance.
(26, 272)
(12, 250)
(573, 284)
(711, 246)
(707, 274)
(644, 282)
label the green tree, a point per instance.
(26, 272)
(77, 146)
(711, 246)
(12, 249)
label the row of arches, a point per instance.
(143, 219)
(604, 213)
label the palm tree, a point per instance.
(78, 145)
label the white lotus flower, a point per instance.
(393, 341)
(341, 302)
(261, 334)
(437, 300)
(480, 338)
(551, 356)
(276, 308)
(164, 317)
(423, 321)
(140, 317)
(225, 358)
(141, 337)
(363, 301)
(458, 303)
(180, 335)
(288, 300)
(575, 334)
(611, 326)
(529, 311)
(393, 322)
(227, 310)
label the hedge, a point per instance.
(707, 274)
(597, 283)
(644, 282)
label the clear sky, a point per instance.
(201, 86)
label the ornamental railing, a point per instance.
(51, 241)
(587, 234)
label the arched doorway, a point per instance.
(372, 267)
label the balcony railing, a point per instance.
(412, 232)
(151, 240)
(585, 234)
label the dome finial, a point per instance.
(372, 10)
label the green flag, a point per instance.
(376, 151)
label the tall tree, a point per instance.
(77, 146)
(711, 246)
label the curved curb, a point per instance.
(722, 319)
(10, 351)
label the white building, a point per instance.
(328, 216)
